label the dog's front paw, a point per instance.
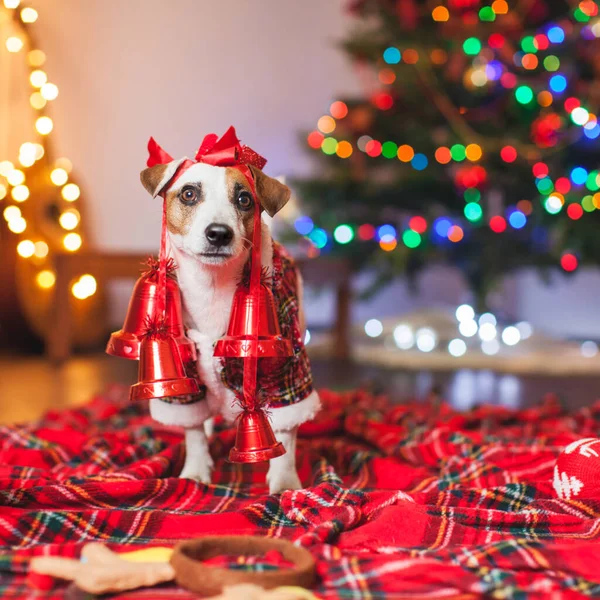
(282, 481)
(200, 473)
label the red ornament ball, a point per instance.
(496, 41)
(366, 232)
(575, 211)
(383, 101)
(571, 104)
(373, 148)
(569, 262)
(508, 154)
(540, 169)
(508, 80)
(315, 139)
(498, 224)
(545, 130)
(418, 224)
(562, 185)
(577, 471)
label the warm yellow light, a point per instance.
(478, 77)
(29, 15)
(18, 225)
(26, 248)
(36, 58)
(64, 163)
(59, 176)
(85, 287)
(12, 212)
(27, 148)
(326, 124)
(26, 160)
(14, 44)
(45, 279)
(3, 191)
(6, 167)
(39, 151)
(27, 154)
(12, 3)
(72, 242)
(71, 192)
(49, 91)
(37, 101)
(20, 193)
(69, 219)
(41, 249)
(44, 125)
(38, 78)
(473, 152)
(15, 177)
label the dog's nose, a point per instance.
(219, 235)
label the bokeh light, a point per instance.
(440, 14)
(46, 279)
(343, 234)
(373, 328)
(392, 55)
(72, 242)
(569, 262)
(338, 109)
(71, 192)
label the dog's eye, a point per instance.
(244, 201)
(188, 195)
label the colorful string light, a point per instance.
(495, 62)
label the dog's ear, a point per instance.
(272, 194)
(155, 178)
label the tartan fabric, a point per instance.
(398, 504)
(282, 381)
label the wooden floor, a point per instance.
(29, 386)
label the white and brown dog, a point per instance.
(210, 221)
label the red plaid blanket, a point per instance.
(397, 505)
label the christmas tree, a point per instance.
(476, 142)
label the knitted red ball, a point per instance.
(577, 471)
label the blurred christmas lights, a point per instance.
(30, 152)
(489, 66)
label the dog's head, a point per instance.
(210, 209)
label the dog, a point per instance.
(209, 214)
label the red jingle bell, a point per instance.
(161, 371)
(255, 440)
(125, 343)
(241, 341)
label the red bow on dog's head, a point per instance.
(163, 170)
(224, 152)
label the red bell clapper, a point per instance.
(161, 372)
(125, 343)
